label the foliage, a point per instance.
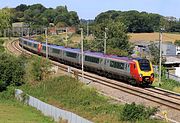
(5, 18)
(116, 51)
(40, 38)
(37, 15)
(16, 112)
(1, 46)
(177, 42)
(133, 112)
(116, 35)
(40, 68)
(68, 93)
(170, 84)
(11, 70)
(139, 22)
(154, 52)
(134, 20)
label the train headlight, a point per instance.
(140, 75)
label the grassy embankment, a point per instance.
(67, 93)
(168, 84)
(12, 111)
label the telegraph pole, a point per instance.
(105, 39)
(66, 37)
(82, 54)
(28, 34)
(46, 43)
(160, 54)
(87, 28)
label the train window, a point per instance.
(57, 51)
(29, 44)
(117, 65)
(35, 45)
(144, 65)
(44, 48)
(92, 59)
(25, 42)
(70, 54)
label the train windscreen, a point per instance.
(144, 65)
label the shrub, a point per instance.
(133, 112)
(177, 42)
(11, 70)
(40, 68)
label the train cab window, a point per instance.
(144, 64)
(92, 59)
(117, 65)
(56, 51)
(72, 55)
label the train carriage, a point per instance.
(137, 69)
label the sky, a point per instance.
(89, 9)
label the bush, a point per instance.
(40, 68)
(133, 112)
(177, 42)
(11, 70)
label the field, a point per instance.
(143, 37)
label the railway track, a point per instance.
(157, 95)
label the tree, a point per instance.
(22, 7)
(11, 70)
(5, 18)
(116, 33)
(177, 42)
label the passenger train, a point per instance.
(137, 70)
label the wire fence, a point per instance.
(167, 74)
(49, 110)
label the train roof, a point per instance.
(90, 53)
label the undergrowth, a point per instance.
(68, 93)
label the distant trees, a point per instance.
(38, 15)
(135, 21)
(5, 18)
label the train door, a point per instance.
(134, 71)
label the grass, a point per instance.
(13, 111)
(69, 94)
(144, 37)
(168, 84)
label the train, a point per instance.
(133, 70)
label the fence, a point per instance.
(49, 110)
(168, 75)
(171, 76)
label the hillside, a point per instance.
(143, 37)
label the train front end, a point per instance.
(145, 71)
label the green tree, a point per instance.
(5, 18)
(11, 70)
(154, 52)
(116, 33)
(177, 42)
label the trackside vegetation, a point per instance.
(67, 93)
